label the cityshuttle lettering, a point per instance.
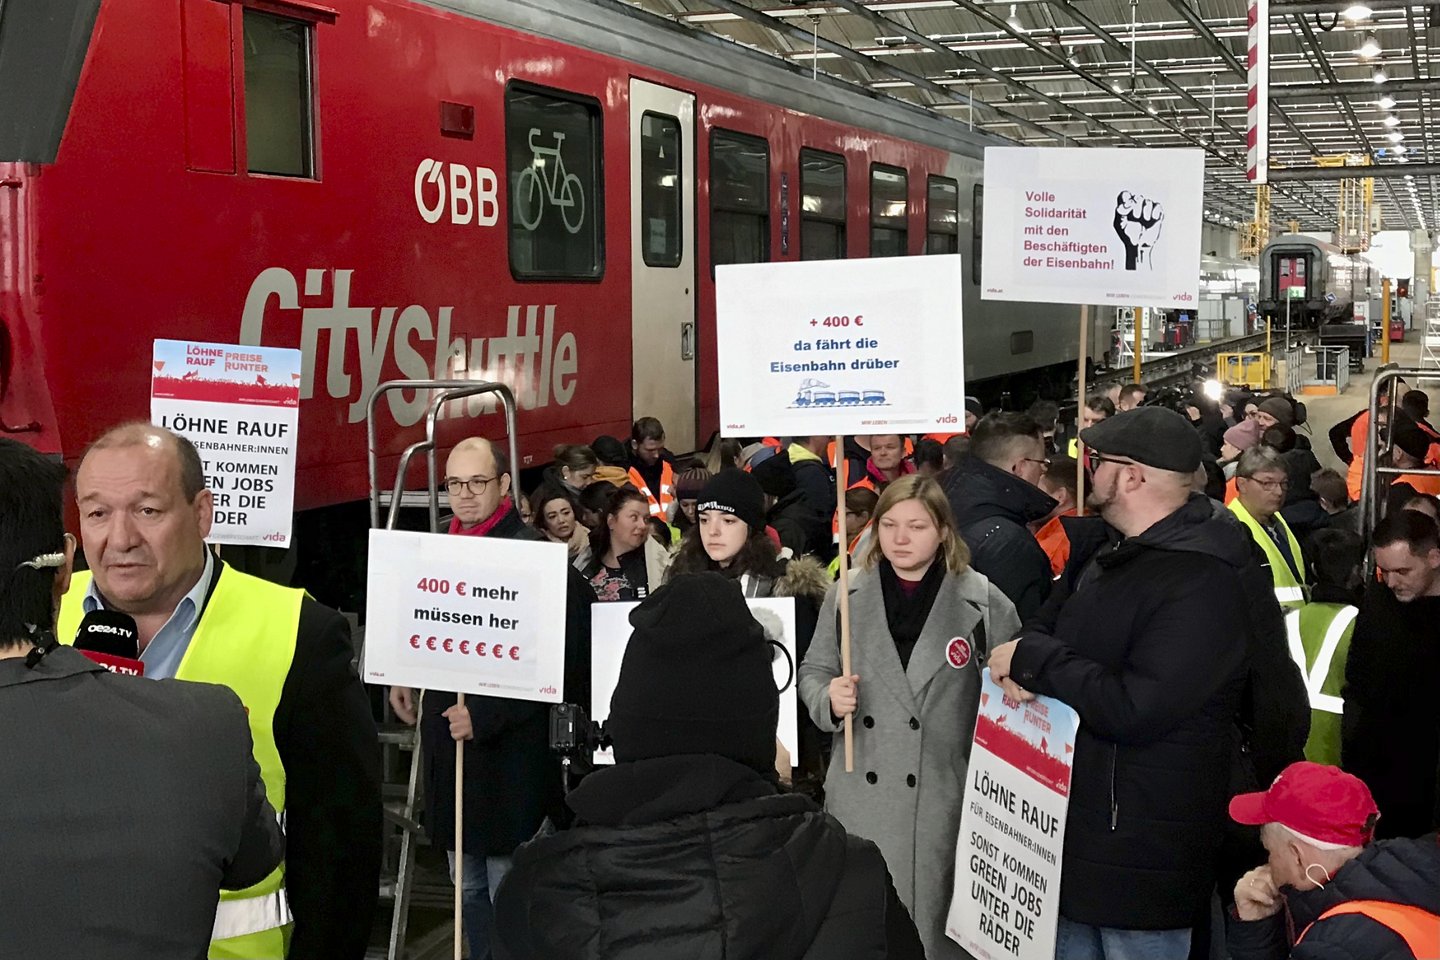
(536, 360)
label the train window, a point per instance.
(739, 198)
(552, 155)
(977, 231)
(279, 105)
(661, 215)
(822, 205)
(889, 211)
(942, 216)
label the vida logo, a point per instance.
(948, 418)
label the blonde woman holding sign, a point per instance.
(922, 622)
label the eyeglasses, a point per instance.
(1270, 485)
(1094, 458)
(1043, 462)
(476, 485)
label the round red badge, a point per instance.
(958, 652)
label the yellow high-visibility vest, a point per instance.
(1289, 589)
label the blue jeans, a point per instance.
(481, 880)
(1079, 941)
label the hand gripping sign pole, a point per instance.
(842, 596)
(441, 391)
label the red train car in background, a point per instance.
(533, 191)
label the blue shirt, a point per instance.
(163, 654)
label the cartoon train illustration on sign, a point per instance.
(814, 393)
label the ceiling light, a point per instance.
(1386, 102)
(1013, 21)
(1400, 148)
(1394, 136)
(1357, 11)
(1117, 86)
(1379, 76)
(1073, 60)
(1369, 47)
(1391, 121)
(1409, 176)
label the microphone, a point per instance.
(111, 639)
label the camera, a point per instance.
(573, 735)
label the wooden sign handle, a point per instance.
(843, 596)
(460, 837)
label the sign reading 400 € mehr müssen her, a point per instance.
(841, 346)
(466, 614)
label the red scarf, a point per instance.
(484, 526)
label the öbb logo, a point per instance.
(495, 651)
(473, 198)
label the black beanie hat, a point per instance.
(775, 476)
(735, 492)
(1407, 435)
(696, 677)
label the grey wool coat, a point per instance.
(913, 729)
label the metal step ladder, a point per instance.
(401, 799)
(1430, 339)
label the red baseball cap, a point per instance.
(1316, 801)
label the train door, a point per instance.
(662, 248)
(1292, 272)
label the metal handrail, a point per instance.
(443, 391)
(1371, 469)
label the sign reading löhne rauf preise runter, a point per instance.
(841, 346)
(1006, 900)
(240, 406)
(1093, 226)
(466, 614)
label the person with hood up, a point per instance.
(994, 494)
(686, 847)
(1327, 892)
(800, 525)
(1149, 647)
(921, 621)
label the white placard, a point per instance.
(1097, 226)
(610, 633)
(466, 614)
(240, 406)
(841, 346)
(1006, 901)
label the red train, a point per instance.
(529, 191)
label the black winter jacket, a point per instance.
(800, 526)
(512, 780)
(1390, 734)
(992, 509)
(699, 857)
(1393, 871)
(1150, 649)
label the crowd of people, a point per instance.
(1207, 614)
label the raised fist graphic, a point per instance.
(1137, 222)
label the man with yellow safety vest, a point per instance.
(1261, 483)
(1319, 635)
(1095, 409)
(145, 511)
(1327, 891)
(652, 467)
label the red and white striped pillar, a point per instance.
(1257, 100)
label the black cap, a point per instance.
(696, 677)
(775, 475)
(1407, 435)
(1154, 436)
(735, 492)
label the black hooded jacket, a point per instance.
(1149, 648)
(699, 857)
(1406, 872)
(991, 509)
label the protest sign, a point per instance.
(466, 614)
(610, 633)
(1006, 902)
(240, 406)
(841, 346)
(1093, 226)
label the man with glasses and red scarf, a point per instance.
(512, 780)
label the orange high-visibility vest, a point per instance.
(1420, 929)
(1056, 543)
(1359, 449)
(661, 505)
(1232, 490)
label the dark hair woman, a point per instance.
(622, 561)
(555, 513)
